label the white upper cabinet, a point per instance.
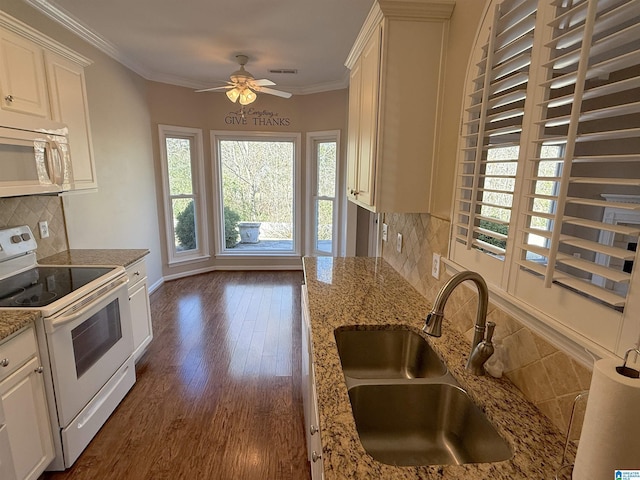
(363, 120)
(69, 105)
(394, 105)
(39, 76)
(22, 77)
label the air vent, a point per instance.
(291, 71)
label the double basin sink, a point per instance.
(408, 409)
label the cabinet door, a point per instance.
(368, 122)
(315, 446)
(353, 132)
(306, 372)
(7, 470)
(309, 397)
(69, 105)
(22, 79)
(141, 318)
(27, 421)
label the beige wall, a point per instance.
(178, 106)
(123, 213)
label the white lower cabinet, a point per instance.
(7, 469)
(140, 308)
(26, 443)
(309, 396)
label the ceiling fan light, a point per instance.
(247, 96)
(233, 94)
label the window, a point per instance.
(323, 173)
(258, 192)
(550, 150)
(182, 180)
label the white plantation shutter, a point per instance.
(591, 120)
(491, 133)
(547, 198)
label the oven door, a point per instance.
(87, 346)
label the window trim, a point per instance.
(219, 247)
(312, 171)
(197, 178)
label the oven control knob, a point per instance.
(16, 239)
(25, 237)
(4, 362)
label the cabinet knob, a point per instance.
(40, 369)
(136, 273)
(4, 362)
(9, 98)
(315, 456)
(313, 429)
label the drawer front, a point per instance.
(17, 351)
(136, 272)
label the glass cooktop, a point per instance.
(41, 286)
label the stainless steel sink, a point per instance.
(389, 354)
(424, 424)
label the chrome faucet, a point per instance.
(481, 348)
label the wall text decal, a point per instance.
(257, 118)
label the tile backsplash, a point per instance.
(547, 376)
(30, 210)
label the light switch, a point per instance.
(399, 243)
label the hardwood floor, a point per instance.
(218, 393)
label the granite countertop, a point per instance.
(124, 257)
(368, 291)
(13, 320)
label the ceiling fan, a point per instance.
(243, 87)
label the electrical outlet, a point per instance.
(435, 267)
(399, 243)
(44, 229)
(385, 232)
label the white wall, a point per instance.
(123, 213)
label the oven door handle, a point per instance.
(96, 298)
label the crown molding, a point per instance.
(64, 18)
(369, 26)
(418, 9)
(320, 87)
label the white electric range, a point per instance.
(84, 336)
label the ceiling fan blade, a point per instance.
(214, 88)
(263, 82)
(277, 93)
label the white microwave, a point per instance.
(34, 157)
